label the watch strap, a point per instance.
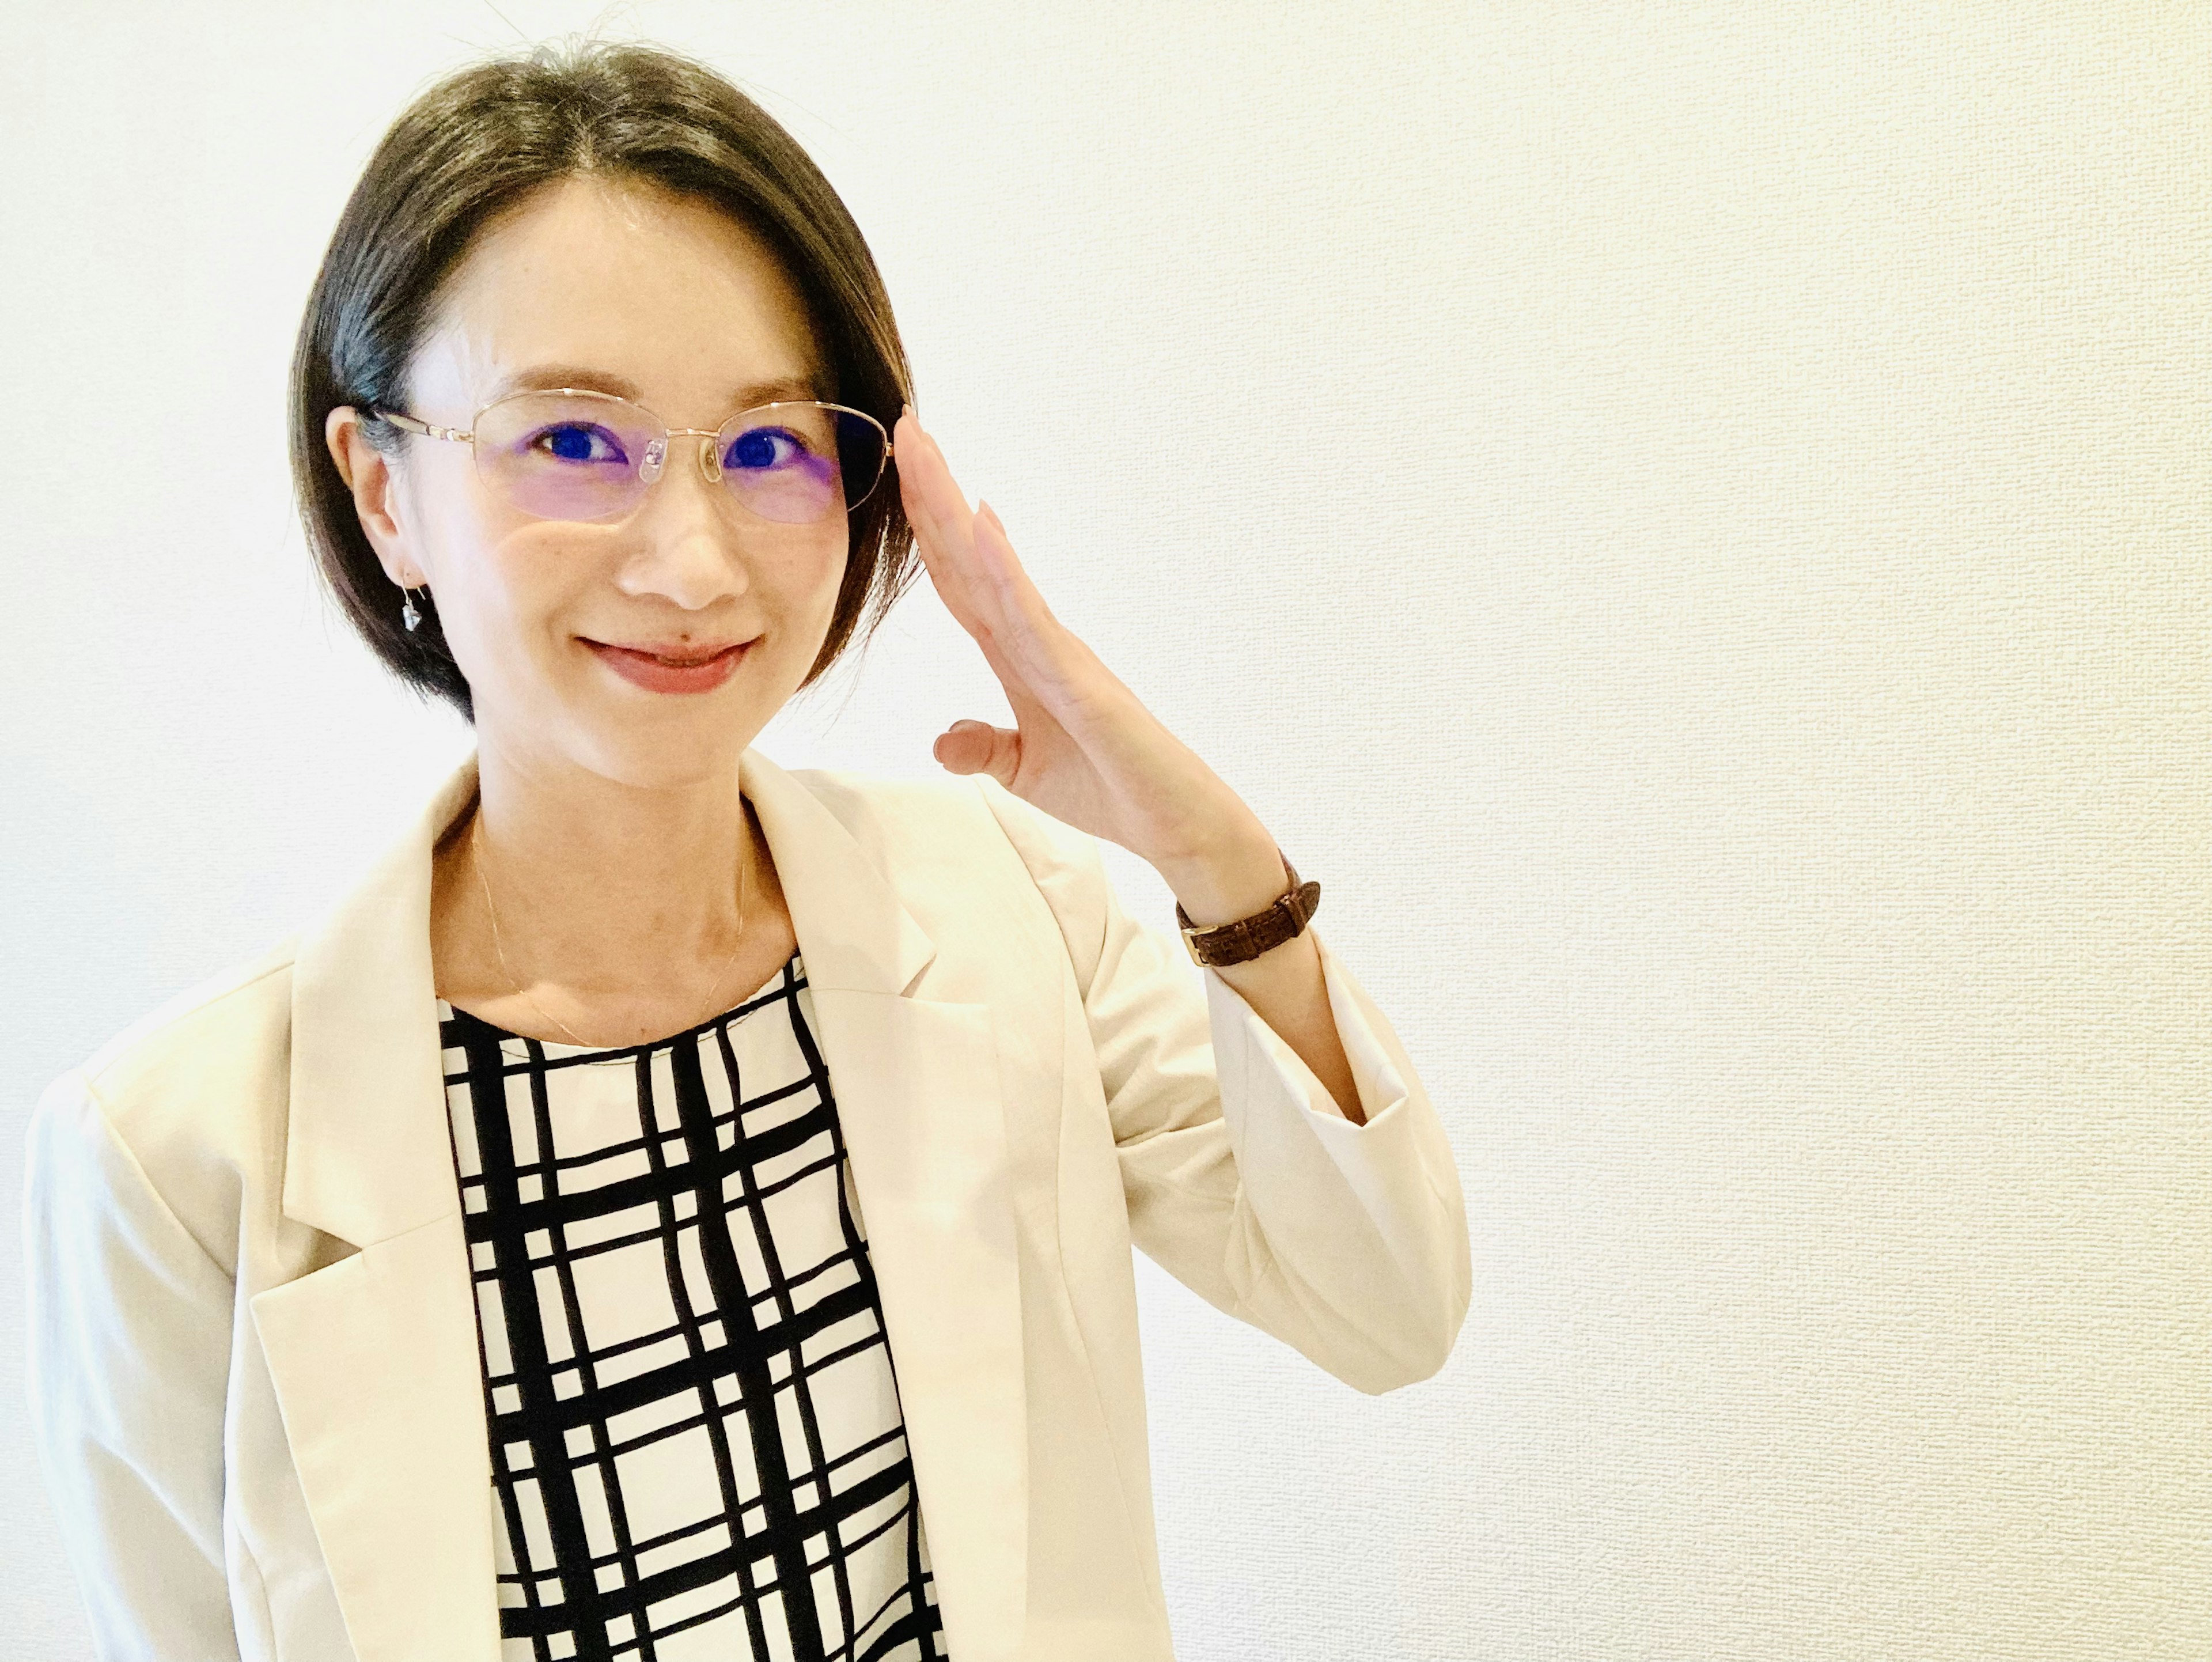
(1242, 939)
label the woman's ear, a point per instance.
(367, 472)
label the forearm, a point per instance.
(1284, 985)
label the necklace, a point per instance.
(476, 850)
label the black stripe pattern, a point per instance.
(697, 1444)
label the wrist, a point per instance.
(1240, 873)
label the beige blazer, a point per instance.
(253, 1367)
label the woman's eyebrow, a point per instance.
(542, 376)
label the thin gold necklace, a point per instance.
(476, 850)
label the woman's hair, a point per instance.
(474, 146)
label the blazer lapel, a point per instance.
(916, 1082)
(374, 1358)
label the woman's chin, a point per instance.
(641, 740)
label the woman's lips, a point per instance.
(659, 674)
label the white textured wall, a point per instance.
(1691, 520)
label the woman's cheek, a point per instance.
(832, 579)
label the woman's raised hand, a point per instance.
(1083, 746)
(1085, 750)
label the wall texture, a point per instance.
(1723, 493)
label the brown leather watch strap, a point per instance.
(1245, 938)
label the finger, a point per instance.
(1024, 628)
(981, 585)
(1001, 570)
(996, 559)
(979, 747)
(944, 528)
(920, 494)
(945, 577)
(1047, 651)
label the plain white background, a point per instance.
(1690, 521)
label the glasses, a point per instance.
(569, 453)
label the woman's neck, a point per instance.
(571, 906)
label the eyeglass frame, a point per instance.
(408, 423)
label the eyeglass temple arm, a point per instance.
(412, 425)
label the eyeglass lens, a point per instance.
(570, 456)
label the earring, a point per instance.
(408, 615)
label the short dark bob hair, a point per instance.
(474, 146)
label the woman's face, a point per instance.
(627, 290)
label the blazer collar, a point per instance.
(365, 1155)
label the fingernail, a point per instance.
(908, 410)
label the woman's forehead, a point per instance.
(628, 290)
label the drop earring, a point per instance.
(408, 614)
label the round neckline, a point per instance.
(567, 1051)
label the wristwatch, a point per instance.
(1245, 938)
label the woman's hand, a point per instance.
(1083, 747)
(1085, 750)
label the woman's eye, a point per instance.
(764, 447)
(570, 443)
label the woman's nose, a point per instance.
(686, 544)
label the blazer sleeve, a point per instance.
(129, 1327)
(1243, 1178)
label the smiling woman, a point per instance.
(675, 1206)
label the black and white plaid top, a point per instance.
(697, 1449)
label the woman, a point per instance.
(673, 1207)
